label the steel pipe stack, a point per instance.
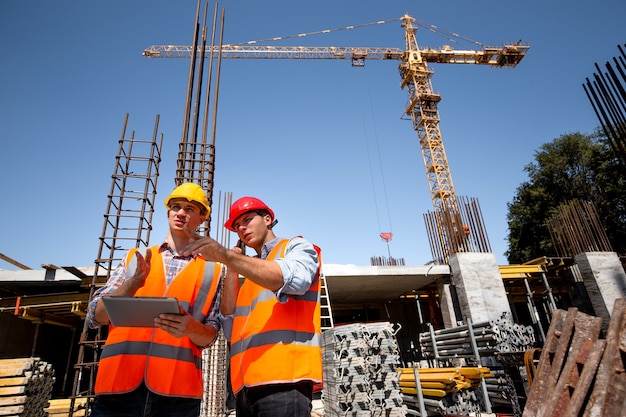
(490, 337)
(480, 344)
(501, 391)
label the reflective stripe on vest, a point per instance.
(276, 342)
(169, 366)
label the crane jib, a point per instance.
(503, 56)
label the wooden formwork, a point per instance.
(608, 397)
(578, 372)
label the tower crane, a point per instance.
(452, 234)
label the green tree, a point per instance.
(573, 166)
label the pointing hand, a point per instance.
(143, 268)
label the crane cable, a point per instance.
(380, 164)
(444, 33)
(319, 32)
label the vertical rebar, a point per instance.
(607, 96)
(576, 228)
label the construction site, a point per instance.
(460, 336)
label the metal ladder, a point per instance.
(326, 315)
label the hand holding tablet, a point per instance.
(130, 311)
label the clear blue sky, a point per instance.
(323, 143)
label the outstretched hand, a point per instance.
(210, 249)
(143, 268)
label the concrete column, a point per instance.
(605, 281)
(479, 286)
(446, 303)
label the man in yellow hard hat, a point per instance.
(157, 371)
(274, 317)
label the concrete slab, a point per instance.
(368, 284)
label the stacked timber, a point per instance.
(25, 386)
(444, 391)
(61, 407)
(361, 375)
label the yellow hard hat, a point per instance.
(190, 192)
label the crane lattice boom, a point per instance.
(501, 56)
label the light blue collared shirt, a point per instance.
(299, 267)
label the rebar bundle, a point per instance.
(214, 370)
(360, 371)
(464, 229)
(576, 228)
(606, 92)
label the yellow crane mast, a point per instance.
(421, 108)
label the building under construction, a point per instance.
(459, 336)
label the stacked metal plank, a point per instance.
(25, 386)
(361, 377)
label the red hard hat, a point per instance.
(244, 205)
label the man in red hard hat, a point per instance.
(275, 342)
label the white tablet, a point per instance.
(130, 311)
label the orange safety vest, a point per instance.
(276, 342)
(169, 365)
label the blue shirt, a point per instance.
(299, 267)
